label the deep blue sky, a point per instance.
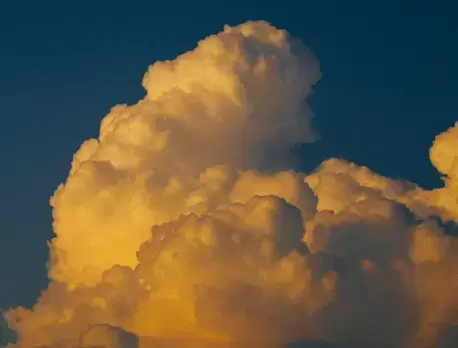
(389, 86)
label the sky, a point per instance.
(388, 87)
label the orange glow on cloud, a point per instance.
(171, 231)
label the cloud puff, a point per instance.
(237, 96)
(171, 229)
(107, 336)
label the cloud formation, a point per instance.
(175, 228)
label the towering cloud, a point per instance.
(178, 226)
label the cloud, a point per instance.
(103, 335)
(176, 228)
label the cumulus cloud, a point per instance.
(175, 228)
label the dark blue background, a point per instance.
(389, 86)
